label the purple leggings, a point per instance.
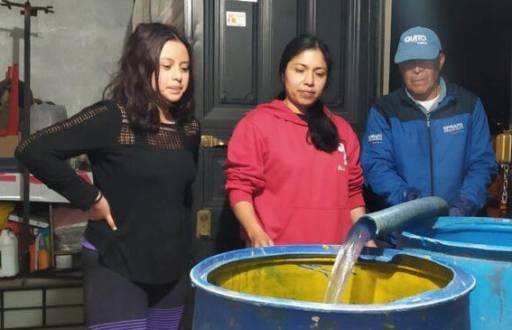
(114, 302)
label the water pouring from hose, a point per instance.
(380, 223)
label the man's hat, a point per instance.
(418, 43)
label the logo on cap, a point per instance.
(420, 39)
(417, 43)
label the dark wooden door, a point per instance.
(237, 47)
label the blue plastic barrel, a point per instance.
(483, 248)
(229, 289)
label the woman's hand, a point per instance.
(259, 238)
(101, 211)
(371, 243)
(245, 213)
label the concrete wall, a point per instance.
(74, 51)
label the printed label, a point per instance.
(374, 138)
(454, 128)
(343, 154)
(235, 18)
(419, 39)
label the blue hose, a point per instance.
(396, 218)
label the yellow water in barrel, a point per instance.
(306, 277)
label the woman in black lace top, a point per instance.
(142, 142)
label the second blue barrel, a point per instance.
(483, 248)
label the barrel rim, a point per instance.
(479, 223)
(461, 284)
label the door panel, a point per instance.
(280, 21)
(223, 233)
(235, 73)
(325, 18)
(353, 31)
(236, 67)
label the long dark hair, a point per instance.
(131, 86)
(322, 131)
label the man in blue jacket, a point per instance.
(430, 137)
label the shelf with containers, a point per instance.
(41, 298)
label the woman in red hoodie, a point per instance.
(292, 170)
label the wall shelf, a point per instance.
(11, 183)
(39, 299)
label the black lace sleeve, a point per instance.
(193, 137)
(192, 132)
(45, 153)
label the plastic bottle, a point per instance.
(504, 158)
(504, 147)
(42, 254)
(8, 254)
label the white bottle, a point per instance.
(8, 254)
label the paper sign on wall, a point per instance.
(235, 18)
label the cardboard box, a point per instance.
(7, 146)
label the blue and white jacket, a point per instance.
(446, 152)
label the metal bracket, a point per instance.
(204, 223)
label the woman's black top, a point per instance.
(146, 179)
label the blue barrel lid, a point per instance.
(478, 237)
(461, 284)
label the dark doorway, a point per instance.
(477, 39)
(236, 67)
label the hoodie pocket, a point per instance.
(315, 226)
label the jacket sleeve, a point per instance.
(244, 169)
(482, 160)
(355, 172)
(378, 159)
(45, 153)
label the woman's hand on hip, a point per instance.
(101, 211)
